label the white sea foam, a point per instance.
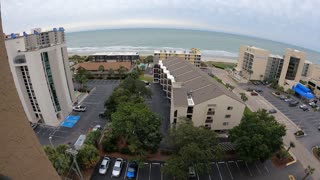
(147, 50)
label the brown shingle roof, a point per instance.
(193, 79)
(94, 66)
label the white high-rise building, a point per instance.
(40, 68)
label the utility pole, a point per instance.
(74, 155)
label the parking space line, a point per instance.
(149, 171)
(257, 168)
(248, 169)
(219, 172)
(124, 177)
(229, 171)
(161, 165)
(265, 167)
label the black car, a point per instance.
(293, 103)
(258, 90)
(132, 170)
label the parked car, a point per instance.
(102, 115)
(293, 103)
(272, 111)
(117, 168)
(288, 100)
(192, 172)
(282, 97)
(104, 165)
(302, 106)
(258, 90)
(132, 170)
(97, 127)
(319, 128)
(249, 89)
(313, 104)
(79, 108)
(254, 94)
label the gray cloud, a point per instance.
(291, 21)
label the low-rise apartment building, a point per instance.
(258, 64)
(196, 95)
(193, 55)
(105, 70)
(114, 57)
(40, 69)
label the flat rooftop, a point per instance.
(116, 54)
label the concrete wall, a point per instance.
(68, 73)
(222, 103)
(21, 155)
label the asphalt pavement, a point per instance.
(219, 170)
(94, 103)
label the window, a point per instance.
(225, 123)
(230, 108)
(228, 116)
(189, 116)
(190, 109)
(175, 113)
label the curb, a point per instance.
(293, 156)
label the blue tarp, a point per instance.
(303, 91)
(70, 121)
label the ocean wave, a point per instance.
(146, 50)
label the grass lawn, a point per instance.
(146, 78)
(247, 110)
(221, 65)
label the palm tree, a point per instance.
(111, 72)
(291, 145)
(309, 171)
(121, 71)
(244, 97)
(81, 76)
(101, 68)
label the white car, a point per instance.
(104, 165)
(97, 127)
(79, 108)
(117, 168)
(303, 106)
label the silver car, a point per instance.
(104, 165)
(117, 168)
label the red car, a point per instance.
(254, 94)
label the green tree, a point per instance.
(192, 146)
(111, 72)
(82, 76)
(258, 136)
(308, 171)
(88, 156)
(136, 126)
(244, 97)
(121, 71)
(290, 91)
(135, 86)
(101, 68)
(149, 59)
(93, 138)
(134, 74)
(58, 158)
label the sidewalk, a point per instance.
(302, 154)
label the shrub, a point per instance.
(93, 138)
(88, 156)
(166, 152)
(109, 143)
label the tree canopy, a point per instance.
(258, 136)
(82, 76)
(193, 146)
(60, 161)
(88, 156)
(137, 126)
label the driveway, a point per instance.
(94, 103)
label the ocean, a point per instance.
(145, 41)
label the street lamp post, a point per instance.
(50, 140)
(74, 155)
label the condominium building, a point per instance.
(197, 96)
(193, 56)
(258, 64)
(114, 57)
(40, 69)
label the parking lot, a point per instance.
(101, 90)
(219, 170)
(308, 121)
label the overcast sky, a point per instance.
(292, 21)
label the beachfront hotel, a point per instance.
(258, 64)
(197, 96)
(40, 69)
(193, 55)
(131, 57)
